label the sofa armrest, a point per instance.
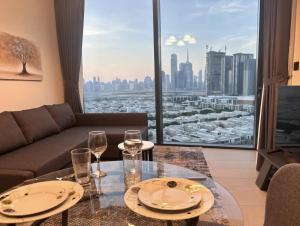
(11, 177)
(112, 119)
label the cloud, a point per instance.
(91, 31)
(223, 6)
(101, 26)
(192, 41)
(168, 43)
(189, 39)
(180, 43)
(171, 40)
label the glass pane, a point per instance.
(209, 71)
(118, 65)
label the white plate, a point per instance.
(33, 198)
(132, 202)
(146, 145)
(169, 194)
(75, 192)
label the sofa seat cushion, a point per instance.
(11, 136)
(62, 115)
(46, 155)
(53, 153)
(35, 123)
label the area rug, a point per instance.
(189, 157)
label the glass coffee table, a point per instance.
(109, 209)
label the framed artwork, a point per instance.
(20, 59)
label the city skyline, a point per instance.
(108, 44)
(231, 75)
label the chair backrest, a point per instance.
(283, 197)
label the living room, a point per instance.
(155, 112)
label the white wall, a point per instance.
(33, 20)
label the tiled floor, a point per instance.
(235, 170)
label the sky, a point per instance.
(118, 34)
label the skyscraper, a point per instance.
(164, 80)
(215, 72)
(249, 80)
(200, 80)
(188, 73)
(184, 78)
(180, 77)
(173, 70)
(228, 81)
(148, 83)
(239, 60)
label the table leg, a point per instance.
(64, 216)
(150, 155)
(144, 155)
(192, 222)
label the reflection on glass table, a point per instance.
(109, 209)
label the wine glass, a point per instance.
(133, 141)
(97, 144)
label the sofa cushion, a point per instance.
(11, 136)
(46, 155)
(62, 115)
(36, 123)
(11, 177)
(53, 153)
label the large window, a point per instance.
(118, 63)
(209, 71)
(208, 66)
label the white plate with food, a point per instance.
(132, 202)
(34, 198)
(74, 194)
(170, 194)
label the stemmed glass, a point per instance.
(133, 141)
(97, 144)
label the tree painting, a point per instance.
(19, 58)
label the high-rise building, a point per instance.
(168, 81)
(180, 77)
(195, 82)
(148, 83)
(184, 77)
(188, 73)
(164, 81)
(249, 80)
(239, 60)
(215, 72)
(228, 81)
(200, 80)
(173, 70)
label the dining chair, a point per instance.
(283, 197)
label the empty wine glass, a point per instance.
(133, 141)
(97, 144)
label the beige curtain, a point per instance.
(275, 23)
